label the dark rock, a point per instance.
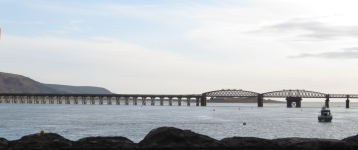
(3, 143)
(105, 143)
(173, 138)
(352, 139)
(314, 144)
(251, 143)
(46, 141)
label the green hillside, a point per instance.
(78, 89)
(13, 83)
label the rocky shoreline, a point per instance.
(169, 138)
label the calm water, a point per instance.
(134, 122)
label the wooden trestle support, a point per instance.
(14, 99)
(127, 100)
(179, 101)
(59, 99)
(135, 100)
(37, 99)
(170, 101)
(67, 98)
(152, 100)
(109, 100)
(144, 102)
(93, 100)
(84, 99)
(118, 100)
(161, 101)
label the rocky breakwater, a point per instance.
(169, 138)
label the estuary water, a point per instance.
(274, 120)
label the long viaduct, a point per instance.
(201, 99)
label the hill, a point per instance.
(78, 89)
(13, 83)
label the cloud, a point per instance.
(309, 28)
(102, 40)
(351, 48)
(109, 65)
(76, 21)
(19, 22)
(56, 32)
(347, 53)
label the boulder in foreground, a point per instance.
(3, 143)
(46, 141)
(105, 143)
(173, 138)
(314, 144)
(251, 143)
(352, 139)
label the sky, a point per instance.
(183, 47)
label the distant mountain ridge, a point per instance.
(13, 83)
(78, 89)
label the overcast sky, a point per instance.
(183, 47)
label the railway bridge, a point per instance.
(201, 99)
(290, 95)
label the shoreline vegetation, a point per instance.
(170, 138)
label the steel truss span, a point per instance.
(277, 94)
(295, 93)
(343, 95)
(231, 93)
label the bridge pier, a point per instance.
(260, 100)
(144, 101)
(327, 101)
(152, 99)
(100, 100)
(84, 99)
(188, 101)
(297, 100)
(203, 99)
(93, 100)
(37, 99)
(347, 102)
(161, 101)
(51, 99)
(76, 99)
(43, 99)
(126, 100)
(170, 101)
(134, 100)
(68, 99)
(7, 99)
(23, 99)
(118, 100)
(59, 99)
(179, 101)
(1, 97)
(109, 100)
(14, 99)
(197, 101)
(29, 99)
